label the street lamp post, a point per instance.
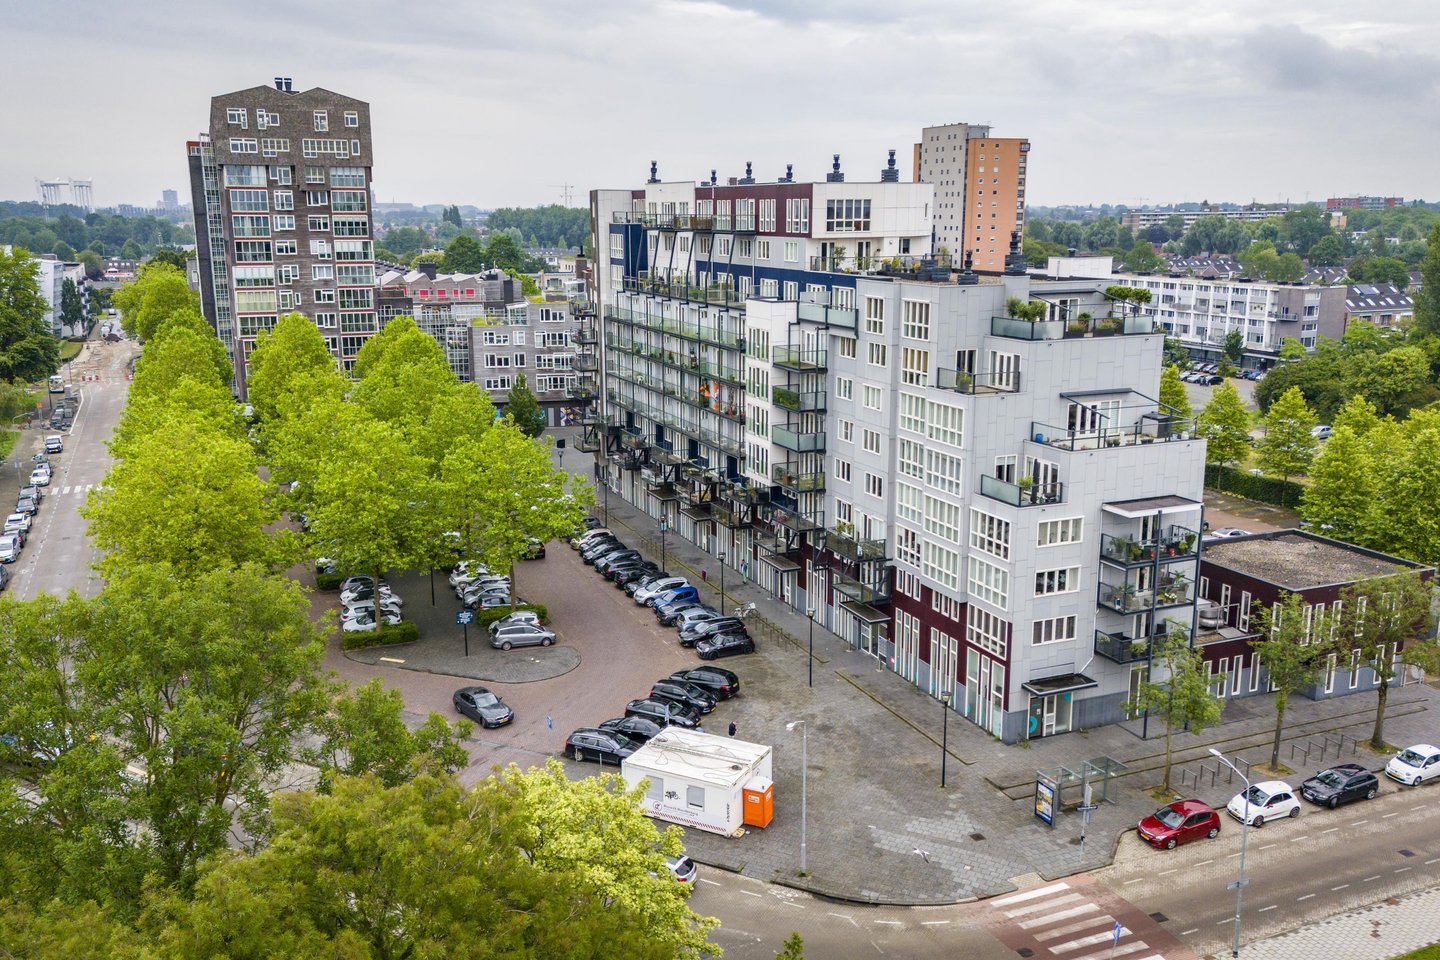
(664, 525)
(804, 775)
(721, 555)
(810, 663)
(1240, 881)
(944, 735)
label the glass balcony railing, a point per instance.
(1022, 495)
(847, 544)
(801, 401)
(1130, 598)
(794, 480)
(1175, 543)
(803, 359)
(799, 441)
(977, 384)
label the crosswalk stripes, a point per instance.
(1062, 921)
(77, 488)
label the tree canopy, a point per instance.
(1225, 425)
(28, 348)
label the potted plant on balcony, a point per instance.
(1108, 326)
(1031, 311)
(1186, 543)
(1077, 328)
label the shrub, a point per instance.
(329, 581)
(483, 618)
(1242, 484)
(403, 632)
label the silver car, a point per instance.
(520, 635)
(9, 548)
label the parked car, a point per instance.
(652, 590)
(9, 548)
(365, 623)
(18, 521)
(602, 746)
(625, 577)
(1414, 765)
(388, 606)
(725, 645)
(40, 477)
(519, 616)
(697, 614)
(683, 869)
(1225, 533)
(1268, 800)
(467, 571)
(719, 681)
(4, 578)
(670, 614)
(589, 536)
(1341, 783)
(683, 691)
(675, 595)
(487, 584)
(491, 601)
(536, 551)
(601, 546)
(521, 635)
(644, 581)
(34, 493)
(613, 560)
(695, 632)
(351, 584)
(1212, 380)
(635, 729)
(1321, 431)
(26, 506)
(482, 706)
(54, 444)
(664, 711)
(364, 591)
(1179, 822)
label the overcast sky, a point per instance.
(495, 104)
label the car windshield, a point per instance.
(1330, 778)
(1411, 758)
(1169, 817)
(621, 741)
(486, 700)
(1256, 796)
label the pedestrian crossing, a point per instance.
(1078, 921)
(79, 489)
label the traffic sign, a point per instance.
(463, 617)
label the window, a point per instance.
(347, 177)
(273, 146)
(986, 631)
(762, 249)
(284, 200)
(792, 251)
(1063, 580)
(348, 201)
(746, 248)
(942, 518)
(352, 227)
(285, 248)
(317, 198)
(320, 248)
(847, 216)
(352, 118)
(767, 216)
(988, 582)
(324, 296)
(874, 485)
(844, 388)
(914, 367)
(695, 798)
(842, 469)
(910, 459)
(792, 290)
(315, 175)
(940, 564)
(281, 175)
(944, 472)
(1054, 630)
(238, 115)
(909, 502)
(1054, 532)
(907, 546)
(249, 201)
(875, 316)
(946, 423)
(322, 271)
(845, 347)
(990, 534)
(497, 383)
(252, 251)
(283, 221)
(871, 397)
(870, 440)
(253, 277)
(876, 354)
(915, 324)
(317, 224)
(846, 430)
(244, 145)
(322, 121)
(912, 412)
(797, 216)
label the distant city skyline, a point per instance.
(506, 105)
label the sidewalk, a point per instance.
(1377, 932)
(881, 828)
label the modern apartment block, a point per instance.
(1363, 203)
(979, 190)
(281, 189)
(1000, 511)
(1252, 213)
(1202, 313)
(490, 332)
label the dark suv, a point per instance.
(683, 691)
(664, 711)
(695, 632)
(719, 681)
(1342, 783)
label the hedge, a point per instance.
(483, 618)
(403, 632)
(1283, 493)
(329, 581)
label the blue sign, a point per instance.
(465, 616)
(1045, 791)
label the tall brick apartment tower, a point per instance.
(281, 191)
(979, 190)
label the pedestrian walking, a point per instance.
(732, 728)
(745, 570)
(704, 576)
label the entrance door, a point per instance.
(1132, 692)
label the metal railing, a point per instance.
(977, 384)
(805, 359)
(1022, 495)
(801, 401)
(788, 475)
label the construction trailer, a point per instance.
(704, 781)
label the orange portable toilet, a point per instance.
(759, 796)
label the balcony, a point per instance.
(1176, 543)
(827, 315)
(1123, 649)
(795, 522)
(794, 481)
(977, 384)
(1015, 329)
(586, 362)
(847, 544)
(1152, 427)
(731, 515)
(873, 592)
(585, 336)
(680, 289)
(797, 400)
(1022, 494)
(798, 441)
(799, 359)
(583, 388)
(1173, 591)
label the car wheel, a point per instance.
(1294, 812)
(506, 645)
(1370, 794)
(579, 755)
(1170, 844)
(1333, 803)
(1214, 832)
(1258, 822)
(544, 641)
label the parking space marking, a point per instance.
(1368, 879)
(1271, 907)
(1357, 823)
(1269, 845)
(1186, 933)
(750, 893)
(1428, 862)
(711, 882)
(1166, 873)
(1341, 887)
(1302, 836)
(1203, 862)
(1136, 880)
(1403, 869)
(1331, 830)
(933, 923)
(1306, 897)
(1387, 816)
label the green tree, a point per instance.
(1288, 268)
(1359, 415)
(1173, 395)
(93, 263)
(285, 367)
(130, 250)
(452, 215)
(1130, 297)
(793, 948)
(405, 242)
(63, 252)
(176, 258)
(522, 407)
(1427, 298)
(1183, 698)
(1142, 258)
(1259, 259)
(1341, 492)
(464, 255)
(1380, 270)
(28, 349)
(1225, 425)
(1288, 446)
(1293, 647)
(157, 292)
(436, 257)
(364, 733)
(1303, 227)
(504, 252)
(1403, 518)
(72, 308)
(1388, 618)
(1327, 252)
(1235, 346)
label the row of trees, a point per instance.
(29, 351)
(105, 234)
(1377, 622)
(548, 226)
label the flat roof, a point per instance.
(1147, 506)
(1297, 560)
(700, 756)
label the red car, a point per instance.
(1180, 822)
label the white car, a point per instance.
(519, 616)
(1268, 800)
(365, 624)
(652, 590)
(483, 586)
(467, 571)
(366, 608)
(363, 592)
(18, 521)
(579, 542)
(1414, 765)
(40, 477)
(9, 548)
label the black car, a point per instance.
(1340, 784)
(693, 633)
(599, 544)
(611, 561)
(593, 555)
(671, 613)
(535, 549)
(683, 691)
(635, 729)
(719, 681)
(602, 746)
(628, 575)
(664, 711)
(27, 506)
(482, 706)
(725, 645)
(647, 579)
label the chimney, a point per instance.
(890, 174)
(279, 83)
(967, 276)
(835, 176)
(654, 175)
(789, 173)
(1015, 264)
(429, 269)
(747, 178)
(713, 179)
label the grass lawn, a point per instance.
(70, 349)
(8, 439)
(1424, 953)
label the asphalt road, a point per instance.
(58, 556)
